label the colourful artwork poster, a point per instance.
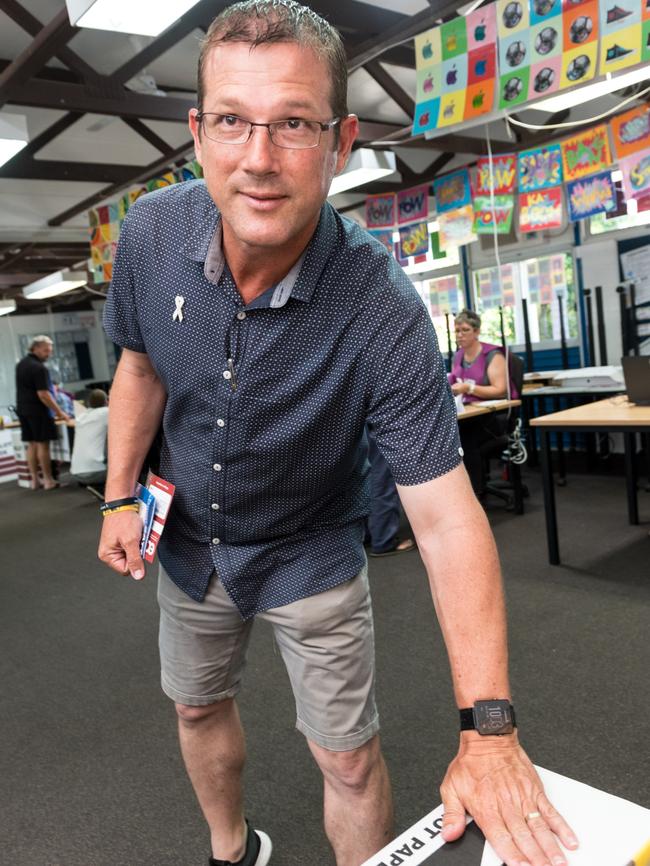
(380, 211)
(453, 35)
(428, 83)
(540, 210)
(542, 10)
(428, 48)
(580, 25)
(645, 41)
(452, 108)
(454, 74)
(456, 227)
(636, 175)
(545, 78)
(539, 168)
(512, 17)
(452, 191)
(578, 65)
(384, 237)
(426, 116)
(486, 217)
(503, 175)
(514, 53)
(397, 252)
(591, 195)
(620, 49)
(546, 40)
(482, 27)
(436, 252)
(586, 153)
(631, 131)
(413, 204)
(479, 99)
(413, 240)
(618, 15)
(481, 64)
(513, 88)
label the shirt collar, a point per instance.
(204, 245)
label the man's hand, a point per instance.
(493, 780)
(459, 388)
(119, 545)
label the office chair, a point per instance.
(506, 446)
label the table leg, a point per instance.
(646, 448)
(630, 479)
(559, 441)
(549, 498)
(531, 410)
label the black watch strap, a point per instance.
(489, 718)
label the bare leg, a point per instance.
(43, 452)
(32, 462)
(212, 744)
(358, 801)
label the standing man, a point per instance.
(265, 330)
(37, 408)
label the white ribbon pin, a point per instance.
(178, 312)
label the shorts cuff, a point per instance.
(197, 700)
(340, 744)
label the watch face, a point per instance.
(493, 717)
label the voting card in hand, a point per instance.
(163, 492)
(147, 511)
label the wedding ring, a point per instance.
(531, 815)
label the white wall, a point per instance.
(11, 327)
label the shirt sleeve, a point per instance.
(120, 310)
(41, 378)
(411, 410)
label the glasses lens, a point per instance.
(226, 128)
(295, 133)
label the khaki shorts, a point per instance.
(326, 642)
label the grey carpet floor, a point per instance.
(89, 765)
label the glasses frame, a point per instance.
(323, 127)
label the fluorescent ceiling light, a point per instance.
(13, 135)
(7, 307)
(592, 91)
(55, 284)
(364, 166)
(144, 17)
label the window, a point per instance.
(541, 281)
(442, 295)
(600, 223)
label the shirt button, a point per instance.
(227, 374)
(216, 467)
(221, 422)
(215, 506)
(241, 316)
(216, 541)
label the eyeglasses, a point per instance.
(295, 133)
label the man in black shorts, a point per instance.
(37, 409)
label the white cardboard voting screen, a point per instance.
(610, 830)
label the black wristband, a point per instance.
(115, 503)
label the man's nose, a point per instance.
(260, 154)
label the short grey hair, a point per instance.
(470, 318)
(39, 340)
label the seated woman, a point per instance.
(478, 373)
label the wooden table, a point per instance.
(615, 415)
(471, 410)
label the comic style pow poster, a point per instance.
(586, 153)
(380, 211)
(591, 195)
(486, 217)
(504, 175)
(539, 168)
(631, 131)
(636, 175)
(456, 227)
(541, 209)
(384, 237)
(452, 191)
(413, 204)
(413, 240)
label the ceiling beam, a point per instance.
(390, 86)
(33, 26)
(42, 48)
(149, 171)
(149, 135)
(28, 168)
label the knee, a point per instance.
(351, 770)
(191, 717)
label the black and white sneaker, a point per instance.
(258, 850)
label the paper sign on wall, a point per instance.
(456, 227)
(452, 190)
(384, 237)
(586, 153)
(636, 174)
(591, 195)
(539, 168)
(413, 204)
(413, 240)
(380, 211)
(486, 217)
(503, 173)
(631, 131)
(540, 210)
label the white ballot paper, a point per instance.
(610, 831)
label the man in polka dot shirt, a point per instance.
(263, 331)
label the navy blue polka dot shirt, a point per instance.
(267, 401)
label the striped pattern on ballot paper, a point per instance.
(164, 493)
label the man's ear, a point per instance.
(348, 132)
